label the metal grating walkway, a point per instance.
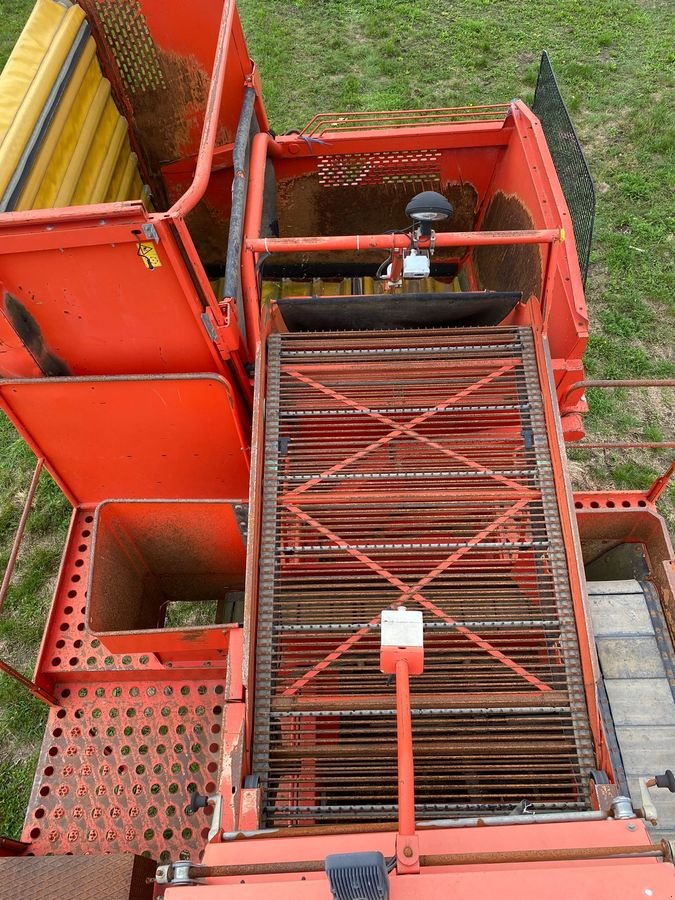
(412, 467)
(638, 668)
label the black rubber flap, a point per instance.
(364, 313)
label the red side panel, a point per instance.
(158, 437)
(78, 285)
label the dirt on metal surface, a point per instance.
(306, 207)
(129, 743)
(209, 229)
(165, 118)
(508, 268)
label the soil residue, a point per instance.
(306, 207)
(168, 119)
(511, 268)
(209, 229)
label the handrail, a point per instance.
(5, 667)
(616, 383)
(18, 536)
(196, 191)
(400, 241)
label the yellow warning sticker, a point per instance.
(149, 255)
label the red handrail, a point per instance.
(392, 241)
(196, 191)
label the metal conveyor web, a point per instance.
(413, 467)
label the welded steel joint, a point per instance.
(402, 655)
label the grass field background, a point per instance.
(615, 61)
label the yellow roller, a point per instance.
(26, 117)
(68, 149)
(85, 140)
(51, 160)
(106, 165)
(25, 59)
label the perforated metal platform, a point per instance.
(413, 467)
(128, 745)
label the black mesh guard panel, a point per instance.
(568, 157)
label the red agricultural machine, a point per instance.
(330, 619)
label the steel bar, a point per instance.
(424, 824)
(35, 689)
(400, 241)
(660, 484)
(566, 854)
(521, 701)
(207, 144)
(617, 383)
(624, 445)
(18, 536)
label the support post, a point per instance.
(402, 655)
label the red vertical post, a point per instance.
(402, 655)
(406, 765)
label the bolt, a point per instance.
(407, 851)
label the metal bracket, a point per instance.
(150, 233)
(177, 873)
(622, 808)
(647, 806)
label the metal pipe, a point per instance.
(196, 191)
(623, 445)
(21, 527)
(617, 383)
(406, 770)
(35, 689)
(382, 827)
(239, 187)
(262, 145)
(660, 484)
(565, 854)
(400, 241)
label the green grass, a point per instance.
(615, 63)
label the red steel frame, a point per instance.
(101, 227)
(118, 224)
(562, 291)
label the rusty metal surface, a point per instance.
(115, 876)
(18, 535)
(413, 467)
(347, 121)
(553, 854)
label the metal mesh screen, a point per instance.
(413, 467)
(575, 177)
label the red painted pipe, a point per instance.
(210, 129)
(406, 765)
(398, 241)
(262, 145)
